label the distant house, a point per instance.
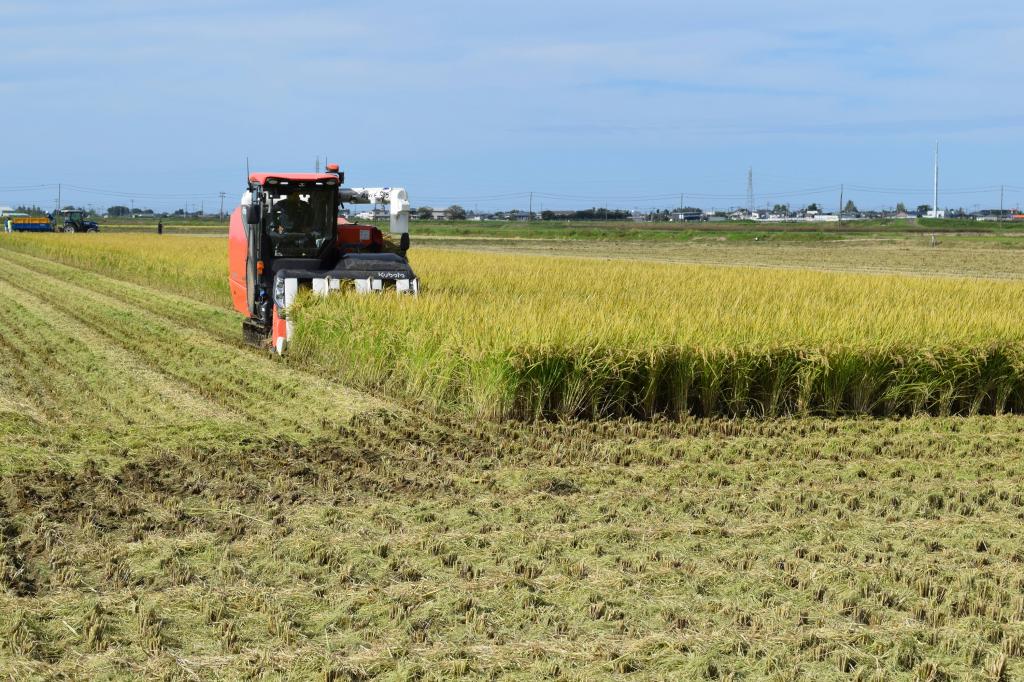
(992, 215)
(689, 215)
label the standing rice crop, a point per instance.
(514, 336)
(526, 336)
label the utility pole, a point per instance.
(318, 165)
(935, 192)
(1000, 205)
(529, 216)
(58, 200)
(221, 214)
(680, 202)
(840, 205)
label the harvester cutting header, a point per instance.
(286, 235)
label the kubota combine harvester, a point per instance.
(286, 235)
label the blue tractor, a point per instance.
(74, 221)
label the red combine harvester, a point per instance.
(286, 235)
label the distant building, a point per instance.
(992, 215)
(689, 215)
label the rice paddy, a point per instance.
(503, 336)
(176, 505)
(524, 337)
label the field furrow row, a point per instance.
(271, 395)
(185, 311)
(148, 396)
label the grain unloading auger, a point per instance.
(286, 236)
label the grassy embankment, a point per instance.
(731, 230)
(600, 230)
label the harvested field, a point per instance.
(173, 504)
(989, 257)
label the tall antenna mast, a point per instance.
(935, 193)
(750, 189)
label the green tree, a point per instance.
(425, 212)
(455, 212)
(900, 208)
(118, 211)
(812, 207)
(923, 209)
(850, 207)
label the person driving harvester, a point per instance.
(293, 214)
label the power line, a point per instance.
(141, 195)
(526, 196)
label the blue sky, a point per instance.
(478, 102)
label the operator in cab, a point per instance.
(293, 214)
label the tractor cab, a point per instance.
(74, 221)
(300, 220)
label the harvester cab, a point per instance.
(74, 221)
(286, 236)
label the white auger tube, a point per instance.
(396, 198)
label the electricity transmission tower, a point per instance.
(750, 190)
